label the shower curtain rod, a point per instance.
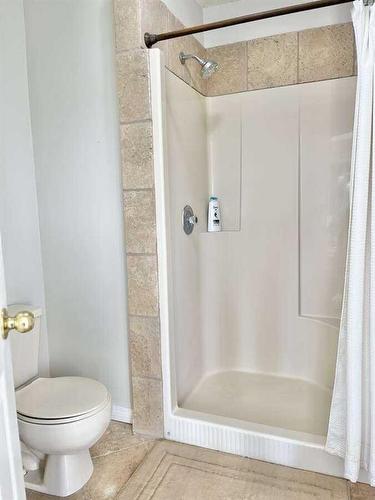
(152, 38)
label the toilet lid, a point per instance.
(60, 397)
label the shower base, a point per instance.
(266, 399)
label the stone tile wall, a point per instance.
(308, 56)
(279, 60)
(132, 19)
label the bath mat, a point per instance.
(174, 471)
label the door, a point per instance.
(11, 476)
(16, 157)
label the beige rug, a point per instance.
(175, 471)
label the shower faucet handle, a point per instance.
(189, 219)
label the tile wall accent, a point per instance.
(139, 214)
(311, 55)
(272, 61)
(326, 53)
(132, 19)
(308, 56)
(232, 76)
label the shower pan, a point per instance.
(250, 315)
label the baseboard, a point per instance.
(122, 414)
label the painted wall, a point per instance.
(19, 223)
(190, 14)
(283, 24)
(73, 98)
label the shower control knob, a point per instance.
(189, 219)
(22, 322)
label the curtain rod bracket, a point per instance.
(150, 39)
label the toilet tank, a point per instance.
(25, 347)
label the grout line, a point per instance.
(127, 447)
(123, 487)
(127, 190)
(155, 379)
(119, 52)
(134, 122)
(140, 254)
(144, 317)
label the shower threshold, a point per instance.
(286, 405)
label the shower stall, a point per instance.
(250, 315)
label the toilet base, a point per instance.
(62, 474)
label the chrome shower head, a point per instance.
(208, 67)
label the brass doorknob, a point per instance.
(22, 322)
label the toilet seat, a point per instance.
(59, 400)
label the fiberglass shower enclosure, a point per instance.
(250, 316)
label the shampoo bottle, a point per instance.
(214, 218)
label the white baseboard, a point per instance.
(122, 414)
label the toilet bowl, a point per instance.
(59, 419)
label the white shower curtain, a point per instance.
(351, 432)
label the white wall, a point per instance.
(189, 12)
(188, 185)
(75, 130)
(267, 27)
(19, 223)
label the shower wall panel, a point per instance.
(288, 259)
(224, 143)
(326, 141)
(188, 185)
(264, 295)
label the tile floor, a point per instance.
(128, 467)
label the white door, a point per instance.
(11, 476)
(15, 152)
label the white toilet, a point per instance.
(59, 419)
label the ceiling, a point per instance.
(208, 3)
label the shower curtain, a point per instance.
(351, 431)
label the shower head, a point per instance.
(208, 67)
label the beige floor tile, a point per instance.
(118, 436)
(361, 491)
(116, 456)
(112, 471)
(174, 472)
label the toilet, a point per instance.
(59, 418)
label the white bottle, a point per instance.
(214, 218)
